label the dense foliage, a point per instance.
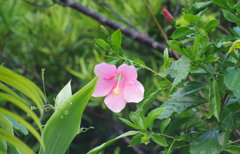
(191, 101)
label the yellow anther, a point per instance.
(116, 91)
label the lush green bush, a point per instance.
(191, 100)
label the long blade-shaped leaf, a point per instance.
(64, 124)
(15, 141)
(22, 84)
(23, 122)
(22, 106)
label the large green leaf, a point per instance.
(231, 80)
(65, 122)
(207, 143)
(215, 99)
(106, 144)
(180, 104)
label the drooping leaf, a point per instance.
(63, 95)
(64, 124)
(159, 140)
(207, 143)
(182, 70)
(231, 80)
(179, 105)
(106, 144)
(215, 99)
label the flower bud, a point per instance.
(168, 17)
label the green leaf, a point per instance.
(22, 106)
(25, 123)
(64, 124)
(106, 144)
(63, 95)
(191, 18)
(231, 80)
(233, 149)
(153, 115)
(182, 70)
(138, 119)
(116, 38)
(189, 87)
(215, 99)
(127, 122)
(18, 126)
(230, 16)
(159, 140)
(177, 46)
(212, 25)
(222, 4)
(15, 141)
(140, 63)
(6, 125)
(207, 143)
(136, 140)
(145, 104)
(23, 85)
(196, 46)
(181, 32)
(201, 5)
(164, 124)
(102, 44)
(179, 105)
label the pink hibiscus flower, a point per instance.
(118, 85)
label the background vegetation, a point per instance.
(61, 41)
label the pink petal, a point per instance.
(129, 72)
(104, 86)
(115, 103)
(105, 70)
(133, 91)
